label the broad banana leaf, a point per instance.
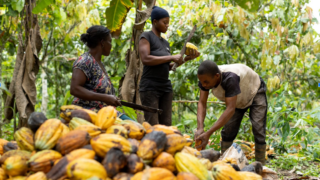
(116, 14)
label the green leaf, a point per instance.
(179, 32)
(230, 43)
(276, 60)
(59, 15)
(285, 131)
(41, 6)
(17, 5)
(116, 13)
(235, 32)
(220, 34)
(129, 112)
(4, 88)
(67, 98)
(250, 5)
(127, 3)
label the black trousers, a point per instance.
(160, 100)
(257, 115)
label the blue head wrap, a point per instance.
(158, 13)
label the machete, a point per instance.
(141, 107)
(183, 50)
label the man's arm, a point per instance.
(224, 118)
(202, 108)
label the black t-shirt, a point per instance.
(156, 78)
(230, 83)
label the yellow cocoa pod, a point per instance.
(76, 122)
(3, 174)
(106, 117)
(146, 125)
(24, 138)
(152, 145)
(104, 142)
(59, 170)
(2, 143)
(165, 160)
(135, 129)
(189, 163)
(189, 48)
(65, 130)
(222, 170)
(135, 163)
(85, 114)
(48, 134)
(206, 163)
(118, 129)
(18, 178)
(186, 176)
(192, 151)
(154, 173)
(93, 130)
(230, 160)
(24, 154)
(166, 129)
(37, 176)
(175, 143)
(83, 169)
(65, 111)
(15, 166)
(43, 160)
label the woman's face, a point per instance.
(162, 24)
(106, 46)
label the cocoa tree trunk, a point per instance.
(45, 96)
(129, 87)
(22, 87)
(1, 97)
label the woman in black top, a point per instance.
(155, 86)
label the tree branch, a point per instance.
(62, 39)
(46, 48)
(264, 6)
(188, 101)
(183, 50)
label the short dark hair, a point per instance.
(208, 67)
(94, 35)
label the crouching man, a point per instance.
(241, 89)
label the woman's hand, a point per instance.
(111, 100)
(193, 54)
(177, 58)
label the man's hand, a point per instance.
(198, 133)
(204, 139)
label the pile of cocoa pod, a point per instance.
(85, 145)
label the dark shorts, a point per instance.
(159, 100)
(257, 115)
